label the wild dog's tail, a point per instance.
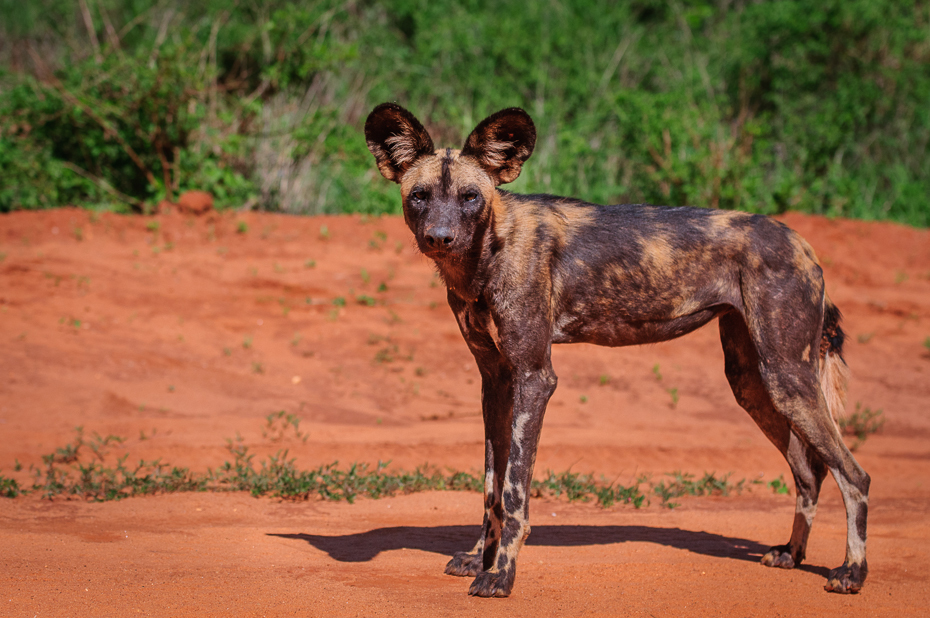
(834, 374)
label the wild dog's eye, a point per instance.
(469, 196)
(419, 195)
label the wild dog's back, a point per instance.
(626, 274)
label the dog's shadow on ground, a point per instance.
(363, 546)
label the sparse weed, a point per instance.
(861, 424)
(257, 367)
(656, 372)
(310, 264)
(387, 354)
(603, 380)
(779, 486)
(278, 423)
(247, 343)
(9, 488)
(86, 469)
(242, 227)
(582, 487)
(324, 232)
(683, 484)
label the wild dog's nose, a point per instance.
(439, 237)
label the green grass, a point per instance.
(861, 424)
(89, 469)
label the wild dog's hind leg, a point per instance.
(795, 392)
(788, 342)
(742, 370)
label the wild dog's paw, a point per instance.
(780, 556)
(464, 564)
(847, 579)
(498, 584)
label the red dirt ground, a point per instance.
(136, 328)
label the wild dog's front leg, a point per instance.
(497, 408)
(532, 389)
(497, 399)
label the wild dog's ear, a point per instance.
(501, 143)
(396, 138)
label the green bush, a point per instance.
(762, 106)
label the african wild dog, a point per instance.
(526, 271)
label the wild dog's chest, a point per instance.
(475, 318)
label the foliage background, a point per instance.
(822, 107)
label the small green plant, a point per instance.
(339, 301)
(257, 367)
(387, 354)
(779, 486)
(278, 268)
(242, 227)
(277, 425)
(9, 488)
(365, 276)
(247, 343)
(583, 399)
(861, 424)
(324, 232)
(153, 226)
(656, 372)
(673, 392)
(683, 484)
(382, 287)
(603, 380)
(227, 351)
(78, 233)
(364, 299)
(926, 341)
(582, 487)
(864, 337)
(295, 340)
(310, 264)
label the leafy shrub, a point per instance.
(759, 106)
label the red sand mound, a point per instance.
(178, 332)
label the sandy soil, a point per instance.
(178, 332)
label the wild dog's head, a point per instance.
(447, 193)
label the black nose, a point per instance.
(439, 237)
